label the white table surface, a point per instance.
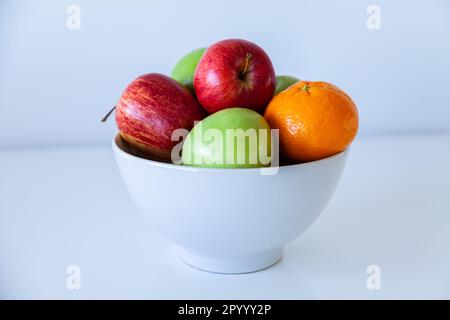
(61, 207)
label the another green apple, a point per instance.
(184, 70)
(230, 138)
(283, 82)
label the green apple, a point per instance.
(283, 82)
(184, 70)
(230, 138)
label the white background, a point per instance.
(56, 83)
(62, 201)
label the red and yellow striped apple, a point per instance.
(150, 109)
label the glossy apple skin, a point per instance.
(284, 82)
(184, 70)
(230, 118)
(222, 79)
(150, 109)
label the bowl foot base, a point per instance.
(238, 263)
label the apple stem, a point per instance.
(248, 58)
(108, 114)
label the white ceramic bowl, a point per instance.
(229, 220)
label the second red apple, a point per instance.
(234, 73)
(150, 109)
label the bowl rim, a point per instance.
(172, 166)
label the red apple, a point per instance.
(234, 73)
(150, 109)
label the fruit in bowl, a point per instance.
(284, 82)
(150, 109)
(230, 138)
(219, 205)
(234, 73)
(315, 120)
(184, 70)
